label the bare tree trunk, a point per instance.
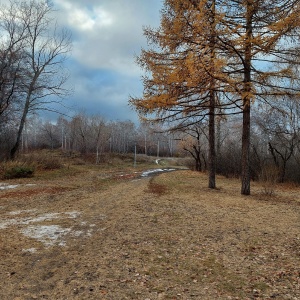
(97, 155)
(245, 189)
(197, 157)
(218, 136)
(212, 103)
(212, 151)
(16, 146)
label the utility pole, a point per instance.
(134, 161)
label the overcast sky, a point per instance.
(107, 34)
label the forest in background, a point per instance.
(203, 75)
(275, 142)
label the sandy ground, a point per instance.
(93, 236)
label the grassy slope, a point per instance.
(168, 237)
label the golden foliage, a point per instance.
(200, 47)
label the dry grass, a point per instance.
(156, 188)
(269, 178)
(167, 237)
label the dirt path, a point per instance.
(65, 240)
(163, 238)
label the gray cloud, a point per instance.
(108, 33)
(106, 36)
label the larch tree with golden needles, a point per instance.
(246, 49)
(182, 68)
(260, 40)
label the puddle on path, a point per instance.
(153, 172)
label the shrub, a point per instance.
(19, 172)
(10, 170)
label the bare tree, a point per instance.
(280, 125)
(80, 131)
(51, 134)
(99, 135)
(44, 51)
(12, 39)
(194, 142)
(122, 136)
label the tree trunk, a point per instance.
(218, 137)
(198, 162)
(212, 151)
(16, 146)
(246, 149)
(282, 171)
(245, 190)
(97, 155)
(212, 103)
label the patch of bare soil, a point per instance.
(92, 236)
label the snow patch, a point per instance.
(30, 250)
(49, 235)
(42, 218)
(18, 212)
(4, 186)
(72, 214)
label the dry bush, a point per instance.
(183, 162)
(268, 177)
(44, 160)
(143, 158)
(78, 161)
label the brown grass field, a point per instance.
(99, 232)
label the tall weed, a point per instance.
(268, 177)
